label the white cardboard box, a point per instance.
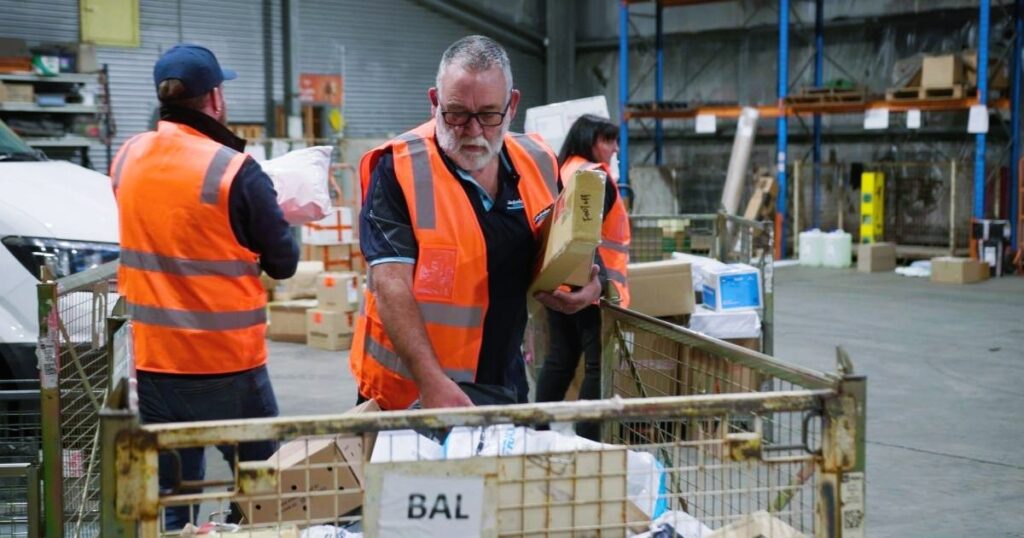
(734, 287)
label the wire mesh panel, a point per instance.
(736, 438)
(74, 331)
(717, 475)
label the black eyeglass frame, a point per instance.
(477, 115)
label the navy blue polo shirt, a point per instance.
(386, 235)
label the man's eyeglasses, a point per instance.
(485, 119)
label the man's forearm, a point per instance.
(405, 327)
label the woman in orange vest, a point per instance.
(590, 145)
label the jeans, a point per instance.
(185, 398)
(571, 335)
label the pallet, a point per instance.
(814, 96)
(958, 91)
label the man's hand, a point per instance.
(572, 302)
(443, 392)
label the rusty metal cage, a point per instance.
(726, 238)
(733, 437)
(74, 377)
(19, 459)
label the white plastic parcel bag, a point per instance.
(300, 178)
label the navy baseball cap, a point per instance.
(195, 66)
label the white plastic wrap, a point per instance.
(644, 475)
(300, 178)
(405, 445)
(726, 325)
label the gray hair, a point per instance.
(476, 53)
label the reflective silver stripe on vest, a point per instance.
(124, 157)
(542, 159)
(190, 319)
(211, 181)
(615, 275)
(147, 261)
(614, 245)
(422, 180)
(391, 361)
(451, 315)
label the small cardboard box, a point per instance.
(942, 71)
(876, 257)
(302, 285)
(339, 291)
(661, 288)
(951, 270)
(16, 92)
(332, 464)
(329, 329)
(288, 320)
(334, 229)
(573, 233)
(736, 286)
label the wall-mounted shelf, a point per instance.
(10, 106)
(66, 78)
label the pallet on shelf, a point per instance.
(813, 95)
(956, 91)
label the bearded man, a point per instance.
(450, 230)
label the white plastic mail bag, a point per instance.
(301, 180)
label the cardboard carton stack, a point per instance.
(329, 326)
(332, 240)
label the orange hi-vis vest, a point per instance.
(193, 292)
(615, 234)
(450, 278)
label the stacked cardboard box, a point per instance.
(329, 326)
(332, 240)
(288, 320)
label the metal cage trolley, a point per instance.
(728, 438)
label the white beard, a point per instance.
(452, 147)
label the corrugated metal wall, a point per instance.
(391, 52)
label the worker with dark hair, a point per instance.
(199, 220)
(589, 145)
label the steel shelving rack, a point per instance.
(781, 111)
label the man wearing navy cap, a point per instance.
(199, 220)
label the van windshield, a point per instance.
(14, 148)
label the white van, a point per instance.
(52, 213)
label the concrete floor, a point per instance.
(945, 367)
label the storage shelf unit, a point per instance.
(69, 143)
(782, 112)
(768, 111)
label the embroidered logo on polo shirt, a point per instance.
(515, 205)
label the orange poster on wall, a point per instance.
(320, 89)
